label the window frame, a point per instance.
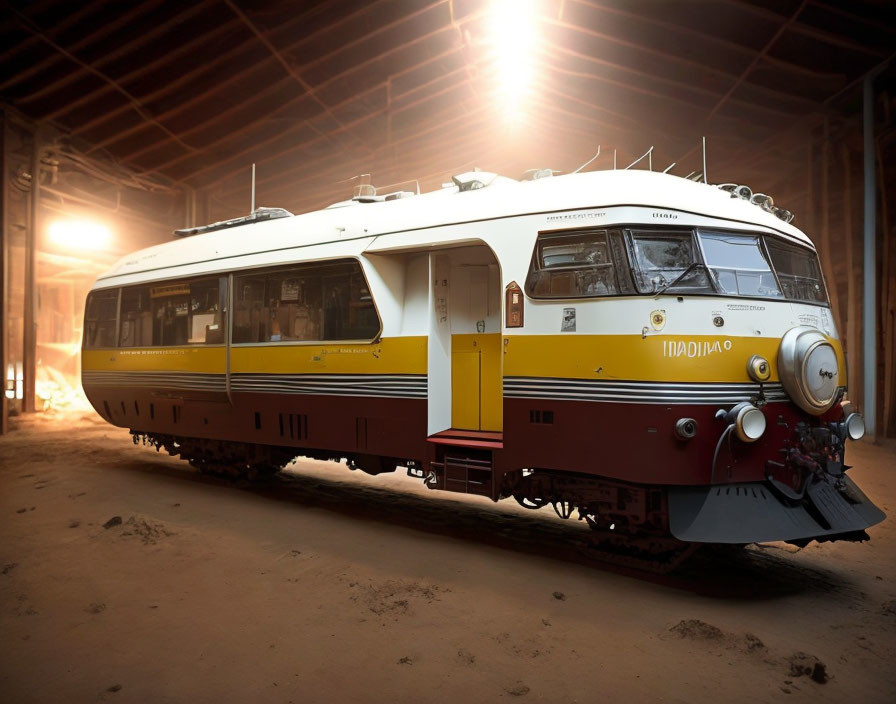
(117, 328)
(264, 270)
(763, 250)
(228, 278)
(696, 248)
(824, 284)
(613, 263)
(632, 271)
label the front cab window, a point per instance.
(576, 265)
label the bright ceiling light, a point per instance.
(80, 234)
(514, 39)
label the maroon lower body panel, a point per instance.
(392, 427)
(636, 442)
(632, 442)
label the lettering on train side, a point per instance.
(575, 216)
(694, 348)
(743, 306)
(154, 352)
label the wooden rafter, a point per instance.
(789, 22)
(31, 27)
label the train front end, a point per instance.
(693, 378)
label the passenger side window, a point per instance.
(100, 319)
(136, 317)
(576, 265)
(183, 313)
(310, 302)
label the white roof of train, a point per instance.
(502, 198)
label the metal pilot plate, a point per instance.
(752, 513)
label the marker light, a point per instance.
(685, 428)
(855, 426)
(758, 368)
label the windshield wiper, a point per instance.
(678, 278)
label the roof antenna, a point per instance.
(589, 161)
(614, 160)
(704, 159)
(253, 189)
(649, 152)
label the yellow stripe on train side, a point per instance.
(686, 358)
(208, 360)
(392, 355)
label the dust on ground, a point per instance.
(125, 576)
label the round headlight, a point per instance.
(758, 368)
(749, 423)
(808, 368)
(855, 426)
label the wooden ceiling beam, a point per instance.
(298, 127)
(808, 30)
(353, 42)
(453, 121)
(31, 27)
(159, 62)
(189, 75)
(125, 48)
(456, 156)
(69, 21)
(318, 88)
(635, 87)
(290, 70)
(756, 59)
(220, 115)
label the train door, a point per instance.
(474, 325)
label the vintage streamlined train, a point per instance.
(654, 355)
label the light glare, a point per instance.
(513, 31)
(80, 234)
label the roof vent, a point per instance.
(535, 174)
(473, 180)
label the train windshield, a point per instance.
(738, 265)
(798, 272)
(668, 261)
(726, 263)
(589, 263)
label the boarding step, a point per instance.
(482, 439)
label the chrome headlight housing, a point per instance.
(854, 425)
(807, 365)
(748, 421)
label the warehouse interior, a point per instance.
(122, 122)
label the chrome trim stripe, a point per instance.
(380, 385)
(167, 380)
(637, 391)
(384, 385)
(415, 386)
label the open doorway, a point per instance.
(465, 360)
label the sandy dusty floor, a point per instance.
(332, 586)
